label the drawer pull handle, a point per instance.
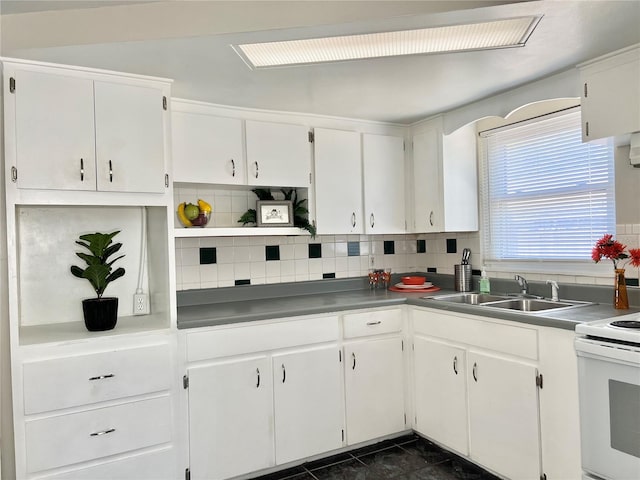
(284, 374)
(258, 374)
(353, 355)
(475, 371)
(103, 432)
(102, 377)
(374, 323)
(455, 364)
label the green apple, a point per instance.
(191, 211)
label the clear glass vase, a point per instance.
(620, 299)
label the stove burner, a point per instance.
(626, 324)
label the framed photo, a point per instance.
(274, 213)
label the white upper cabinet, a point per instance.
(611, 94)
(338, 181)
(74, 131)
(207, 149)
(278, 154)
(129, 138)
(427, 184)
(57, 110)
(445, 179)
(383, 160)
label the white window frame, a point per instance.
(576, 268)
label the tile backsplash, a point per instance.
(211, 262)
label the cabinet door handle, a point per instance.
(82, 170)
(372, 220)
(455, 364)
(257, 168)
(374, 323)
(431, 218)
(102, 432)
(353, 219)
(353, 355)
(284, 374)
(475, 371)
(586, 127)
(233, 168)
(258, 375)
(101, 377)
(586, 93)
(110, 172)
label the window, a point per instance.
(546, 195)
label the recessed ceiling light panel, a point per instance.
(511, 32)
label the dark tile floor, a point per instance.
(405, 458)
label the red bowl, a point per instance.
(413, 280)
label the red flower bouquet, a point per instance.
(609, 248)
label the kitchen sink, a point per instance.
(469, 298)
(521, 303)
(531, 305)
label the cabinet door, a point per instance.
(129, 138)
(503, 416)
(207, 149)
(230, 418)
(374, 389)
(383, 159)
(278, 154)
(427, 184)
(55, 140)
(611, 97)
(308, 403)
(338, 181)
(441, 393)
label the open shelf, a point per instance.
(236, 231)
(72, 331)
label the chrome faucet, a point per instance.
(554, 290)
(524, 286)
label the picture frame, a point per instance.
(274, 213)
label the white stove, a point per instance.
(624, 328)
(609, 382)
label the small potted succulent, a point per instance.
(100, 313)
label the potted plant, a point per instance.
(100, 313)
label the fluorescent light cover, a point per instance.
(511, 32)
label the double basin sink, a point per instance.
(519, 303)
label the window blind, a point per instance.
(546, 195)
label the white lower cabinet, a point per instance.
(99, 409)
(230, 418)
(476, 381)
(262, 394)
(307, 403)
(441, 393)
(504, 425)
(374, 374)
(374, 388)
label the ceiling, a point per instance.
(190, 42)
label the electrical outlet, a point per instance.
(140, 304)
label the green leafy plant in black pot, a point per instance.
(300, 211)
(100, 313)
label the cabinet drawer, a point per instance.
(66, 439)
(509, 339)
(72, 381)
(251, 338)
(157, 465)
(372, 323)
